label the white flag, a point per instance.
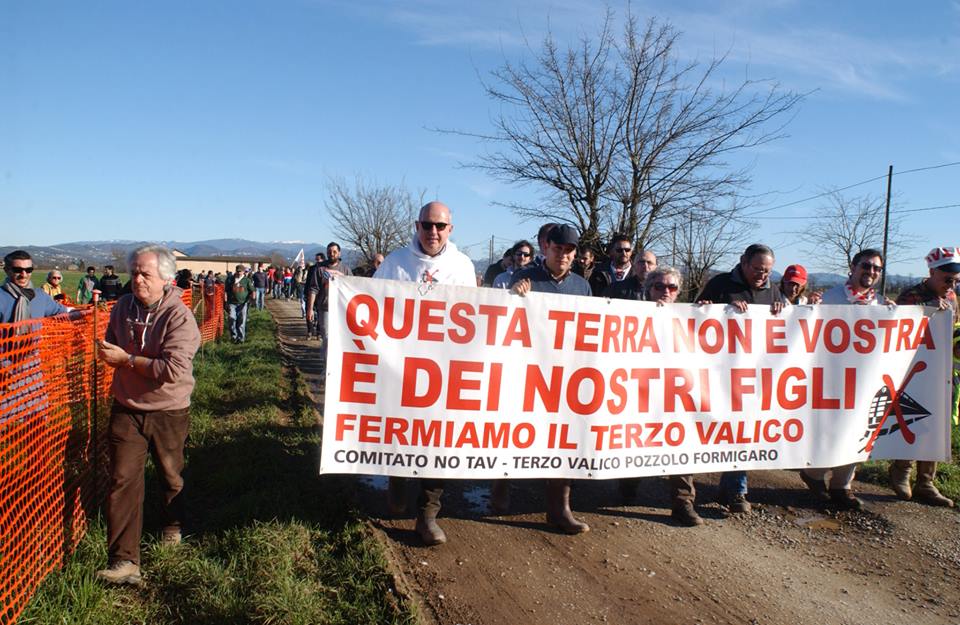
(299, 259)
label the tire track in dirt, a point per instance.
(789, 562)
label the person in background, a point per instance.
(150, 342)
(748, 283)
(619, 251)
(835, 484)
(495, 269)
(556, 276)
(793, 284)
(633, 286)
(299, 286)
(110, 285)
(522, 257)
(318, 285)
(585, 262)
(936, 290)
(87, 285)
(18, 299)
(54, 285)
(239, 292)
(259, 278)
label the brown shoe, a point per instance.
(558, 508)
(818, 488)
(122, 572)
(426, 526)
(929, 494)
(685, 514)
(844, 499)
(900, 478)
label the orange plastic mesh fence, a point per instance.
(54, 409)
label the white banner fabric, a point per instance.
(457, 382)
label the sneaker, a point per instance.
(170, 537)
(844, 499)
(122, 572)
(685, 514)
(818, 488)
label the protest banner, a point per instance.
(456, 382)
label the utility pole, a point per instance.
(886, 229)
(491, 249)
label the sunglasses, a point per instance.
(524, 254)
(20, 269)
(624, 250)
(56, 277)
(871, 267)
(439, 225)
(666, 287)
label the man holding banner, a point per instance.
(556, 276)
(936, 291)
(430, 258)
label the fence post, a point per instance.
(95, 416)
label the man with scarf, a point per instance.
(151, 340)
(18, 299)
(835, 484)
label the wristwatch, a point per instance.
(130, 361)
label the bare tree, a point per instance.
(846, 225)
(370, 217)
(703, 238)
(619, 133)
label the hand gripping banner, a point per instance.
(456, 382)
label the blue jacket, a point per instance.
(42, 305)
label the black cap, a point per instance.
(564, 235)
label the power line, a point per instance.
(851, 186)
(903, 210)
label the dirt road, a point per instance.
(788, 562)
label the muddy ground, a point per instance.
(789, 562)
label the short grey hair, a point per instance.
(53, 273)
(660, 273)
(166, 261)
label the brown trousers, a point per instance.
(132, 434)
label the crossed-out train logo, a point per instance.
(905, 409)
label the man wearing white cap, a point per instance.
(936, 290)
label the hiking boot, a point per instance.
(170, 537)
(426, 526)
(558, 508)
(737, 504)
(397, 496)
(500, 497)
(929, 494)
(685, 514)
(900, 478)
(122, 572)
(844, 499)
(818, 488)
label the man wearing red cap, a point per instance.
(937, 290)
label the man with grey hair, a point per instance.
(150, 342)
(431, 258)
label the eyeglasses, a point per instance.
(871, 267)
(20, 269)
(428, 225)
(524, 254)
(623, 250)
(666, 287)
(56, 277)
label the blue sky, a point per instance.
(199, 120)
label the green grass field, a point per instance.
(268, 541)
(70, 279)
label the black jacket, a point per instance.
(629, 288)
(727, 288)
(110, 287)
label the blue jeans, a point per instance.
(260, 294)
(238, 322)
(733, 483)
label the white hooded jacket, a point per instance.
(411, 264)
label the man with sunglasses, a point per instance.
(834, 484)
(619, 251)
(18, 299)
(633, 286)
(430, 258)
(937, 290)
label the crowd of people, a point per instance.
(152, 338)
